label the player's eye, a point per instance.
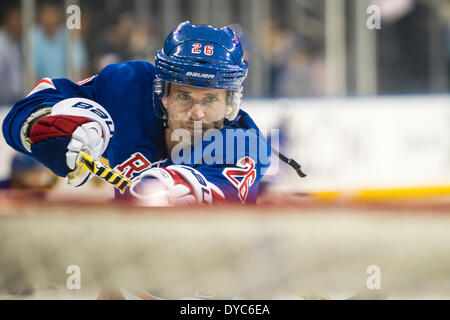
(210, 99)
(183, 96)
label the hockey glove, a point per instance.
(57, 139)
(175, 185)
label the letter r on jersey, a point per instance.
(134, 165)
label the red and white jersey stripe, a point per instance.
(80, 83)
(45, 83)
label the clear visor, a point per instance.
(189, 103)
(199, 103)
(209, 107)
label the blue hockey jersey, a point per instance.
(125, 90)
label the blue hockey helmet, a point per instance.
(203, 56)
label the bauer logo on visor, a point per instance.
(200, 75)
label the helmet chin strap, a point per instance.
(165, 115)
(218, 124)
(289, 161)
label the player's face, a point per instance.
(186, 105)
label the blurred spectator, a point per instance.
(303, 74)
(114, 45)
(49, 43)
(28, 173)
(403, 47)
(143, 41)
(448, 53)
(10, 55)
(296, 65)
(278, 43)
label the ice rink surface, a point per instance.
(290, 247)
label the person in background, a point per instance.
(49, 44)
(448, 52)
(10, 55)
(304, 72)
(28, 174)
(113, 46)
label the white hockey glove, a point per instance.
(175, 185)
(74, 125)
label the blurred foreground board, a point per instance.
(250, 252)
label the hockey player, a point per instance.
(130, 113)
